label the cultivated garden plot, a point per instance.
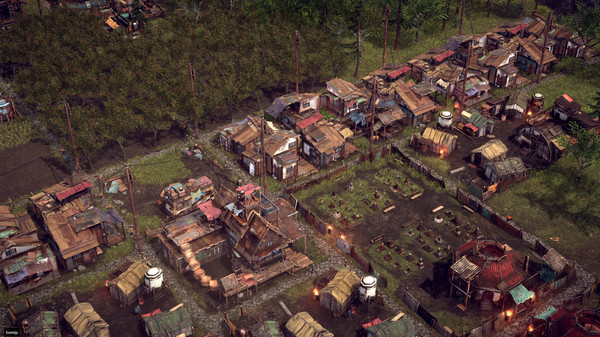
(412, 244)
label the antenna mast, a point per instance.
(68, 113)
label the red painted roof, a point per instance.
(568, 98)
(309, 121)
(209, 210)
(73, 190)
(496, 265)
(443, 56)
(564, 323)
(399, 72)
(248, 189)
(518, 28)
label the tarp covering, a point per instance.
(358, 118)
(492, 150)
(266, 329)
(520, 294)
(336, 295)
(303, 325)
(85, 322)
(403, 327)
(44, 324)
(169, 323)
(546, 313)
(440, 137)
(131, 278)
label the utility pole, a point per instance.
(264, 155)
(465, 74)
(373, 118)
(68, 113)
(462, 14)
(39, 8)
(357, 48)
(192, 75)
(297, 43)
(546, 31)
(387, 15)
(135, 224)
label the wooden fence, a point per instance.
(413, 304)
(328, 175)
(488, 213)
(414, 164)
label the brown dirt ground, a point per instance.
(28, 168)
(122, 321)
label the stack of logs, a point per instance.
(199, 273)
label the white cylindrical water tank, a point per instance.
(154, 278)
(368, 288)
(445, 119)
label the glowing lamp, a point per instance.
(532, 297)
(330, 227)
(343, 236)
(316, 292)
(509, 313)
(106, 282)
(530, 328)
(529, 113)
(456, 105)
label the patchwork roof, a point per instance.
(497, 58)
(418, 105)
(131, 279)
(303, 325)
(342, 286)
(465, 268)
(309, 121)
(324, 137)
(509, 167)
(344, 89)
(535, 51)
(556, 261)
(86, 322)
(439, 137)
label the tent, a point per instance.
(491, 151)
(128, 286)
(340, 291)
(266, 329)
(174, 322)
(303, 325)
(403, 327)
(44, 324)
(85, 322)
(441, 140)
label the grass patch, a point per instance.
(144, 221)
(362, 143)
(161, 170)
(328, 115)
(312, 251)
(548, 205)
(581, 84)
(294, 293)
(114, 252)
(18, 132)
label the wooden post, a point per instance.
(135, 224)
(465, 74)
(357, 48)
(68, 113)
(192, 75)
(297, 43)
(546, 31)
(373, 118)
(462, 13)
(39, 8)
(387, 15)
(262, 145)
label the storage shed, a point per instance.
(175, 322)
(266, 329)
(434, 141)
(340, 291)
(85, 322)
(509, 169)
(303, 325)
(403, 327)
(492, 151)
(128, 286)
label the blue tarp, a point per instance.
(110, 216)
(472, 92)
(16, 277)
(358, 118)
(114, 187)
(547, 313)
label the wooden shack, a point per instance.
(83, 321)
(42, 324)
(492, 151)
(434, 141)
(128, 286)
(340, 291)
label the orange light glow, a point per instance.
(316, 292)
(330, 227)
(343, 236)
(106, 283)
(456, 104)
(532, 296)
(509, 313)
(530, 328)
(529, 113)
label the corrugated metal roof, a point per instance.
(309, 121)
(556, 261)
(465, 268)
(509, 166)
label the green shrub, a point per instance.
(18, 132)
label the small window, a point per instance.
(269, 244)
(292, 145)
(289, 170)
(305, 105)
(11, 251)
(217, 250)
